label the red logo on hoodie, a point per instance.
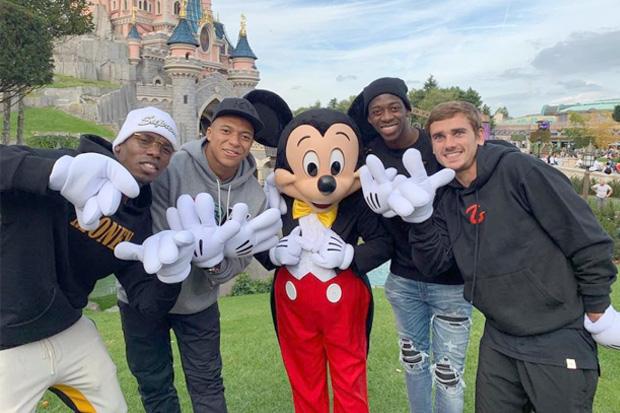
(476, 216)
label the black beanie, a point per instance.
(392, 85)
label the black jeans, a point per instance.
(508, 385)
(149, 355)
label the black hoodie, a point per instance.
(48, 265)
(531, 252)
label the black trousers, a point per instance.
(149, 355)
(508, 385)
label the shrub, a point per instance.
(246, 285)
(577, 183)
(609, 218)
(53, 141)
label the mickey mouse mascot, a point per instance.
(321, 298)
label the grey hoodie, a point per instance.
(189, 173)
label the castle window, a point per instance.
(113, 5)
(177, 8)
(158, 7)
(140, 5)
(185, 99)
(187, 56)
(125, 5)
(150, 8)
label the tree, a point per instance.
(28, 30)
(577, 131)
(430, 83)
(25, 56)
(616, 114)
(25, 50)
(431, 94)
(504, 111)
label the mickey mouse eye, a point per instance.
(311, 163)
(336, 161)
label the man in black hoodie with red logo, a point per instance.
(534, 259)
(56, 243)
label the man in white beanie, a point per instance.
(63, 212)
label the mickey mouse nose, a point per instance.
(327, 184)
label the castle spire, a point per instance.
(243, 26)
(243, 48)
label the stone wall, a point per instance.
(100, 105)
(92, 58)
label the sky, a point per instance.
(518, 54)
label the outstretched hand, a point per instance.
(255, 235)
(94, 184)
(380, 188)
(419, 189)
(167, 253)
(198, 216)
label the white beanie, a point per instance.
(148, 119)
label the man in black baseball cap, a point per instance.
(220, 165)
(239, 107)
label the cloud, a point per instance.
(578, 84)
(342, 78)
(586, 52)
(512, 53)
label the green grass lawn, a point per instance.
(64, 81)
(254, 375)
(43, 120)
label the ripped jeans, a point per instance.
(433, 322)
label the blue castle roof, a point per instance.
(182, 34)
(193, 13)
(133, 33)
(243, 48)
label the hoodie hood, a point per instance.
(247, 168)
(96, 144)
(488, 157)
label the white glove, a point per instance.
(256, 235)
(274, 199)
(333, 252)
(380, 188)
(167, 253)
(288, 250)
(419, 189)
(94, 184)
(198, 216)
(606, 330)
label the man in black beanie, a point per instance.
(427, 310)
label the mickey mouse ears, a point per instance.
(273, 112)
(357, 112)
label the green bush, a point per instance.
(246, 285)
(609, 218)
(577, 183)
(53, 141)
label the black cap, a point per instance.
(239, 107)
(392, 85)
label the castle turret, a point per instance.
(134, 40)
(243, 74)
(184, 69)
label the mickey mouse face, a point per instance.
(323, 166)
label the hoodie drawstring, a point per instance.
(219, 200)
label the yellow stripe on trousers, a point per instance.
(78, 399)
